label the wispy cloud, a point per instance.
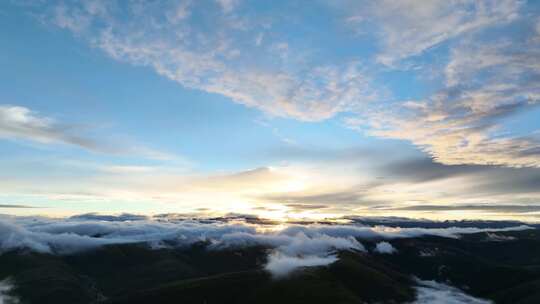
(219, 59)
(21, 123)
(463, 122)
(409, 28)
(228, 5)
(18, 122)
(15, 206)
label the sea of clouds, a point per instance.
(292, 246)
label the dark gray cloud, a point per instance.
(483, 183)
(508, 180)
(425, 169)
(352, 196)
(15, 206)
(306, 206)
(318, 199)
(110, 218)
(484, 179)
(329, 154)
(490, 208)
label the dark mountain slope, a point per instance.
(504, 267)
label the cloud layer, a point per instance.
(292, 247)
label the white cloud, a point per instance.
(292, 247)
(454, 126)
(498, 237)
(222, 58)
(21, 123)
(181, 12)
(463, 123)
(385, 248)
(408, 28)
(433, 292)
(315, 94)
(260, 36)
(293, 251)
(228, 5)
(281, 265)
(5, 293)
(18, 122)
(75, 21)
(383, 232)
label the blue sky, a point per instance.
(283, 109)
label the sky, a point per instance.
(282, 109)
